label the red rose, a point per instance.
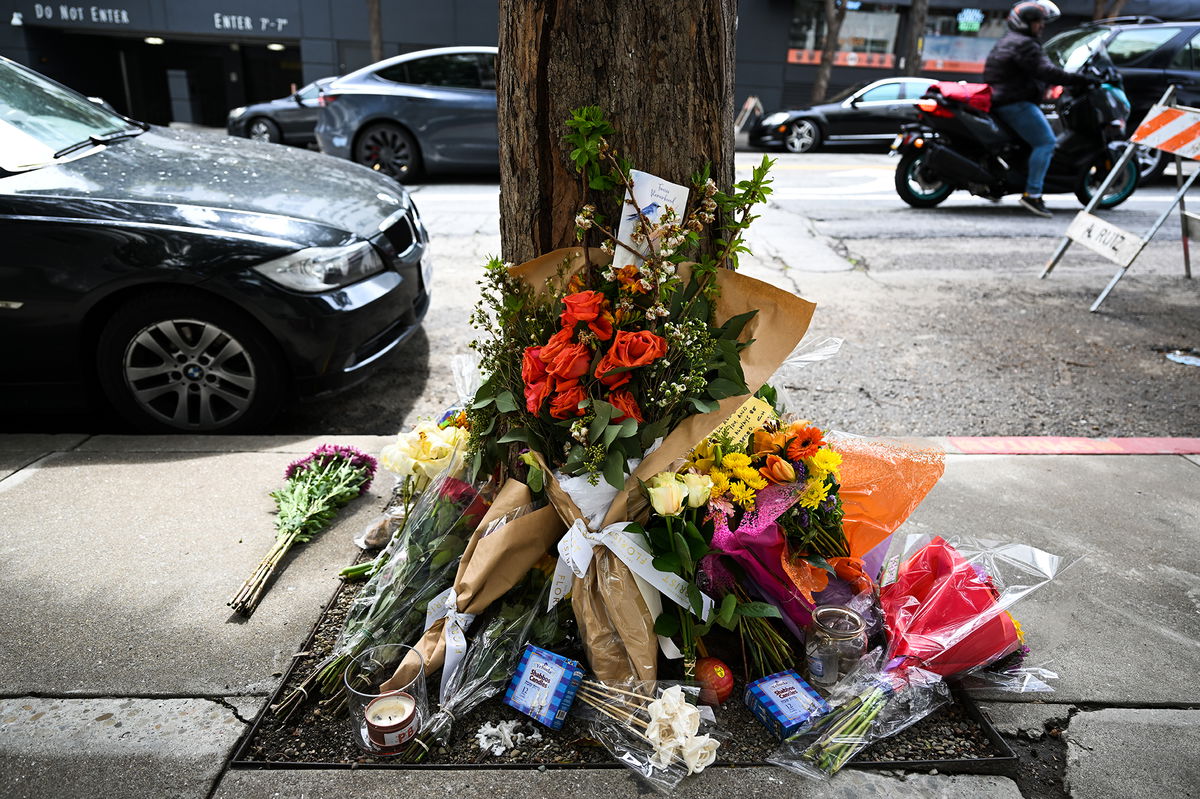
(628, 406)
(602, 326)
(533, 368)
(565, 402)
(629, 349)
(556, 344)
(535, 395)
(582, 307)
(571, 363)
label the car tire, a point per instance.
(263, 129)
(391, 150)
(803, 136)
(174, 361)
(1120, 190)
(916, 188)
(1150, 163)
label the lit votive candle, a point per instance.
(391, 720)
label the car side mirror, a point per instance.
(299, 100)
(854, 102)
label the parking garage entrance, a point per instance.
(189, 80)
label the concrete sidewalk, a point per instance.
(122, 674)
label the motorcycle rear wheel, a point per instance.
(915, 186)
(1118, 192)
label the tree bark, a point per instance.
(375, 27)
(1104, 9)
(661, 72)
(914, 53)
(835, 14)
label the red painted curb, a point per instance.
(1070, 445)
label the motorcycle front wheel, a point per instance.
(1118, 191)
(916, 185)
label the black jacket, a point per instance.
(1017, 69)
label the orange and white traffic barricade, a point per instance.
(1168, 127)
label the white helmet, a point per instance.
(1027, 11)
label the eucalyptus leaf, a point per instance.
(505, 402)
(667, 624)
(720, 388)
(614, 469)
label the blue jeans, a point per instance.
(1031, 125)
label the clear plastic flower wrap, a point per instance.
(655, 729)
(492, 656)
(417, 564)
(946, 614)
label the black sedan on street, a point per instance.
(201, 282)
(864, 114)
(289, 120)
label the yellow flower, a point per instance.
(735, 459)
(745, 473)
(1017, 626)
(720, 482)
(815, 490)
(667, 493)
(424, 452)
(742, 494)
(703, 456)
(827, 461)
(699, 487)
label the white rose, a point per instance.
(664, 755)
(687, 720)
(699, 752)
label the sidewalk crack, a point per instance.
(230, 707)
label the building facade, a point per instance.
(192, 60)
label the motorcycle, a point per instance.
(954, 145)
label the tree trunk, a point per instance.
(662, 74)
(835, 14)
(1104, 9)
(375, 26)
(914, 53)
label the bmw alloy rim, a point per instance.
(189, 374)
(260, 132)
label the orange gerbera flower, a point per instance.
(805, 442)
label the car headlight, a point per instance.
(778, 118)
(323, 268)
(237, 112)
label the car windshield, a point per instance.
(1072, 49)
(39, 118)
(844, 93)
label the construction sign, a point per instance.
(1167, 127)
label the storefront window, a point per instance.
(867, 37)
(959, 41)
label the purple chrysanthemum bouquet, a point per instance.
(316, 486)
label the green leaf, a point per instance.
(721, 388)
(482, 403)
(758, 610)
(704, 405)
(821, 563)
(696, 599)
(604, 412)
(505, 402)
(629, 428)
(667, 624)
(684, 552)
(516, 434)
(536, 480)
(668, 563)
(609, 435)
(735, 324)
(614, 469)
(728, 610)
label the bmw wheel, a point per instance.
(916, 185)
(391, 150)
(263, 129)
(803, 136)
(174, 361)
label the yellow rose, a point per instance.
(425, 452)
(699, 488)
(667, 493)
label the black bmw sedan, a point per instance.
(863, 114)
(200, 282)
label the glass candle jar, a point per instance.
(383, 722)
(835, 640)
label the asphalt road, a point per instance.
(947, 328)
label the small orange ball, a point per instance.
(716, 681)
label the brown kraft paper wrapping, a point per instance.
(613, 619)
(490, 566)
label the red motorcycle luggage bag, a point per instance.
(976, 95)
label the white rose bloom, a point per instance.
(687, 720)
(699, 752)
(664, 755)
(660, 731)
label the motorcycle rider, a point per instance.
(1017, 69)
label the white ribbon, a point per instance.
(575, 556)
(445, 606)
